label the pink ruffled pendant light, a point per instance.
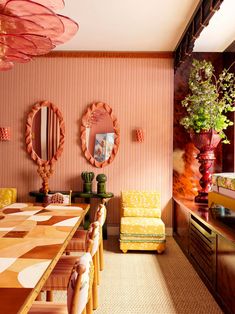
(31, 28)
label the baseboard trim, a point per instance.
(112, 231)
(115, 230)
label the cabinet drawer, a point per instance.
(202, 242)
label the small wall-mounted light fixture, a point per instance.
(139, 135)
(5, 134)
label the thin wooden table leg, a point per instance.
(49, 296)
(89, 306)
(94, 286)
(39, 297)
(101, 254)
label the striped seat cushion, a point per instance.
(59, 277)
(78, 242)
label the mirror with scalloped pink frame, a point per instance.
(100, 134)
(44, 138)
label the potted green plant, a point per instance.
(207, 104)
(209, 100)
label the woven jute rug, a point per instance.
(145, 282)
(149, 283)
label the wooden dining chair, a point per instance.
(59, 277)
(58, 198)
(78, 241)
(78, 244)
(79, 296)
(100, 216)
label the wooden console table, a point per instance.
(210, 247)
(104, 197)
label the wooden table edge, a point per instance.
(35, 291)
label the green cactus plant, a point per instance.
(101, 179)
(87, 177)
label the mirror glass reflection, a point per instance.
(100, 135)
(45, 133)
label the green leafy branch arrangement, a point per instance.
(209, 100)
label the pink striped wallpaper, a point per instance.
(140, 91)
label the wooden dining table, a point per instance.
(32, 239)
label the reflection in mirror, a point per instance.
(99, 134)
(45, 138)
(45, 133)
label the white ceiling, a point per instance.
(128, 25)
(220, 32)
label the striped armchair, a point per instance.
(141, 225)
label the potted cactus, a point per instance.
(87, 177)
(101, 179)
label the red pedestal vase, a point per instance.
(206, 143)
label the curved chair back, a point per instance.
(58, 198)
(79, 286)
(100, 214)
(94, 235)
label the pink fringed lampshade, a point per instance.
(139, 135)
(31, 28)
(4, 134)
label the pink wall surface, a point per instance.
(140, 91)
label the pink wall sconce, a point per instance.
(139, 133)
(5, 134)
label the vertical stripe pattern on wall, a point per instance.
(140, 91)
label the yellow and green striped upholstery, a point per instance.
(7, 196)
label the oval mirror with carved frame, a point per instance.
(44, 137)
(100, 134)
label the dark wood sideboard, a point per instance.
(210, 247)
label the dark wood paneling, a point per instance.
(211, 249)
(202, 241)
(228, 150)
(181, 226)
(226, 272)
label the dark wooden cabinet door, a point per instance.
(226, 272)
(202, 247)
(181, 226)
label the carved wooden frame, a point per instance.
(84, 122)
(45, 167)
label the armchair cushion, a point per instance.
(142, 225)
(141, 212)
(141, 204)
(7, 196)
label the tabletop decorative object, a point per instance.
(209, 100)
(87, 177)
(101, 179)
